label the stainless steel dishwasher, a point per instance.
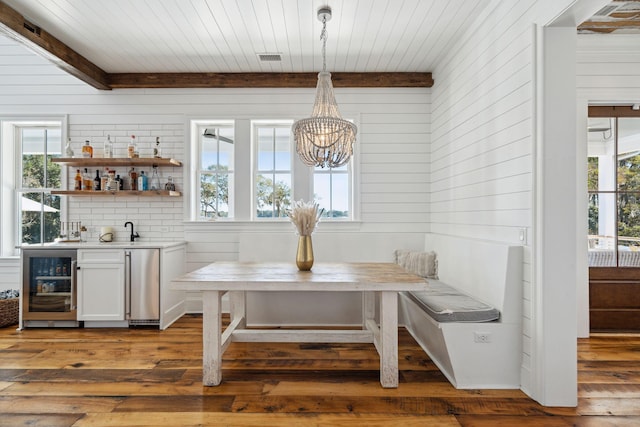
(142, 286)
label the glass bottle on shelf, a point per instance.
(68, 150)
(132, 148)
(143, 183)
(78, 181)
(97, 181)
(156, 149)
(170, 186)
(133, 178)
(87, 150)
(87, 181)
(155, 180)
(108, 147)
(104, 179)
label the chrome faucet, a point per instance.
(133, 235)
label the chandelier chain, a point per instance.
(323, 37)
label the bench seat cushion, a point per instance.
(446, 304)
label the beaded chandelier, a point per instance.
(325, 139)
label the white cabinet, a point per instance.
(101, 287)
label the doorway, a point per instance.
(613, 182)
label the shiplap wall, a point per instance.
(482, 138)
(608, 68)
(393, 146)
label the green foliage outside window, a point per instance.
(36, 223)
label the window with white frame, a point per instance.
(216, 171)
(273, 173)
(28, 177)
(332, 191)
(248, 170)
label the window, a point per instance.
(216, 165)
(247, 170)
(40, 211)
(273, 183)
(614, 191)
(28, 177)
(332, 191)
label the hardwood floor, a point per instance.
(145, 377)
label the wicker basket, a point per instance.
(8, 312)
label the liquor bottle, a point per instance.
(78, 181)
(104, 179)
(108, 147)
(132, 148)
(87, 149)
(87, 181)
(156, 149)
(133, 176)
(68, 150)
(143, 183)
(155, 180)
(170, 186)
(112, 185)
(96, 181)
(120, 182)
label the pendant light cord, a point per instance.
(323, 37)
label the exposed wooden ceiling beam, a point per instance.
(265, 80)
(44, 44)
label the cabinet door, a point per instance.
(101, 291)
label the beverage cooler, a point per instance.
(48, 287)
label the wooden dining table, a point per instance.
(377, 281)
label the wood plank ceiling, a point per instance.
(218, 43)
(619, 17)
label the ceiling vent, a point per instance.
(269, 57)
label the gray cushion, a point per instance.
(423, 264)
(446, 304)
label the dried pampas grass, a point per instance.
(305, 216)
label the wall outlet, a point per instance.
(482, 337)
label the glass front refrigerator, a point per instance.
(49, 287)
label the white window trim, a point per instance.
(10, 167)
(255, 124)
(302, 185)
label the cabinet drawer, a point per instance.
(100, 256)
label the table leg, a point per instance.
(238, 304)
(211, 338)
(368, 307)
(389, 339)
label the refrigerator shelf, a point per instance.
(53, 294)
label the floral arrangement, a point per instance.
(305, 216)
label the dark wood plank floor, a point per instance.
(145, 377)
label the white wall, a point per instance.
(482, 139)
(393, 144)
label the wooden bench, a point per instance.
(470, 354)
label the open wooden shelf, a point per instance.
(120, 193)
(116, 161)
